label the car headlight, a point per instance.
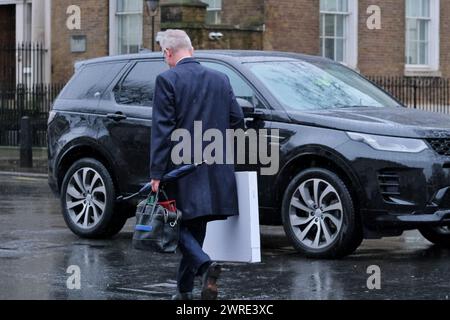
(385, 143)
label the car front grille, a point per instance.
(440, 145)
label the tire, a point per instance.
(319, 234)
(437, 235)
(88, 201)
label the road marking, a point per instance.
(24, 174)
(140, 291)
(27, 179)
(161, 285)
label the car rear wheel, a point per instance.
(437, 235)
(319, 216)
(87, 200)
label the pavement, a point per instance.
(37, 250)
(10, 160)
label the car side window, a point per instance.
(240, 88)
(91, 81)
(138, 87)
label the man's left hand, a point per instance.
(155, 185)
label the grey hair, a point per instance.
(175, 40)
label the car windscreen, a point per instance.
(304, 86)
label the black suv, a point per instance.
(354, 163)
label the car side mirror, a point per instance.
(247, 107)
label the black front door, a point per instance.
(7, 46)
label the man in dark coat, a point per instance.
(185, 95)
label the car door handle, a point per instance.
(118, 116)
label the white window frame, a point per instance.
(215, 10)
(433, 43)
(114, 25)
(350, 57)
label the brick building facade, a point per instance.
(100, 27)
(412, 39)
(292, 26)
(296, 26)
(94, 25)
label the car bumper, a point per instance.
(410, 221)
(52, 179)
(400, 190)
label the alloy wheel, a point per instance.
(86, 198)
(316, 213)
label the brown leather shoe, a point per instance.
(209, 282)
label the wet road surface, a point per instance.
(36, 249)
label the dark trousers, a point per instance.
(192, 236)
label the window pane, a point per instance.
(412, 57)
(322, 5)
(214, 10)
(138, 87)
(329, 25)
(329, 48)
(240, 87)
(90, 80)
(130, 5)
(213, 4)
(413, 8)
(425, 8)
(423, 30)
(129, 33)
(408, 8)
(328, 5)
(343, 5)
(213, 17)
(340, 20)
(412, 32)
(340, 50)
(423, 53)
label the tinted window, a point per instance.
(139, 85)
(240, 88)
(303, 85)
(91, 81)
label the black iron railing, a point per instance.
(430, 94)
(34, 101)
(24, 91)
(22, 63)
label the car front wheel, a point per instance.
(87, 200)
(319, 216)
(437, 235)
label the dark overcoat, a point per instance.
(185, 94)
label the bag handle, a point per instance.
(160, 190)
(156, 201)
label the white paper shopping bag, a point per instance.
(238, 238)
